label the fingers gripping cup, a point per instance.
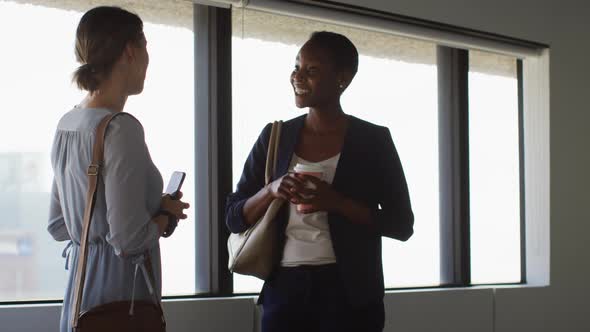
(312, 170)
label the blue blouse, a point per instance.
(129, 194)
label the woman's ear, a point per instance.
(344, 80)
(129, 53)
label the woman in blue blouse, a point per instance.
(130, 213)
(330, 276)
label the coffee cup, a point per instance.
(312, 170)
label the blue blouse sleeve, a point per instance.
(126, 162)
(395, 218)
(251, 181)
(57, 226)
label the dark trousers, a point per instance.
(312, 298)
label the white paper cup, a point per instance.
(308, 169)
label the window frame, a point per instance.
(453, 105)
(213, 105)
(213, 124)
(453, 127)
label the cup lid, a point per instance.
(308, 168)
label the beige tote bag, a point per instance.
(254, 251)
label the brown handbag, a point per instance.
(128, 316)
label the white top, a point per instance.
(308, 240)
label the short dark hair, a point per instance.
(343, 52)
(101, 38)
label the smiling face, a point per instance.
(315, 80)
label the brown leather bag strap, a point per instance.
(94, 170)
(273, 147)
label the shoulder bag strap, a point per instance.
(273, 146)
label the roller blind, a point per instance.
(392, 24)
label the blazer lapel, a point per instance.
(289, 136)
(348, 151)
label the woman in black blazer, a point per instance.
(330, 277)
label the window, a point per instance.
(396, 86)
(494, 164)
(36, 66)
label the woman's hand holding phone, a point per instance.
(171, 206)
(171, 210)
(174, 206)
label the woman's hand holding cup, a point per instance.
(286, 187)
(314, 194)
(305, 188)
(317, 196)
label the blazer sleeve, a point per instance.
(251, 181)
(394, 218)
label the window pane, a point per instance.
(494, 168)
(36, 68)
(396, 86)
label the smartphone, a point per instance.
(175, 184)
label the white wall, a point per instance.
(436, 310)
(565, 26)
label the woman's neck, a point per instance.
(326, 120)
(109, 95)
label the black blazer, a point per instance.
(370, 172)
